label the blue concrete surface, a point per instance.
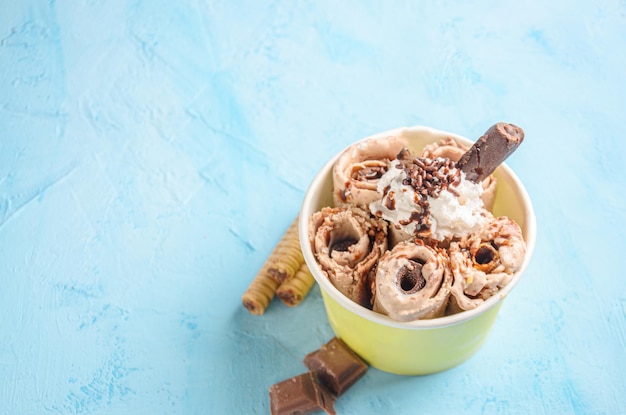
(153, 152)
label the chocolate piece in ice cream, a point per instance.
(336, 366)
(490, 150)
(300, 394)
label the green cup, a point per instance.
(423, 346)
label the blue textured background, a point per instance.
(153, 152)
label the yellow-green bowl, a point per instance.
(423, 346)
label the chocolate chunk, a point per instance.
(490, 150)
(336, 366)
(300, 394)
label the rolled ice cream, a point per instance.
(347, 243)
(358, 169)
(414, 236)
(484, 263)
(412, 281)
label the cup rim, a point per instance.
(306, 211)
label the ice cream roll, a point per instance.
(412, 281)
(397, 234)
(453, 150)
(446, 148)
(358, 168)
(347, 242)
(484, 263)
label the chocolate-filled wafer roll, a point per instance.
(282, 264)
(347, 243)
(484, 263)
(292, 291)
(453, 150)
(260, 292)
(358, 168)
(286, 258)
(412, 281)
(490, 150)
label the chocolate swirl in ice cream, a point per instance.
(358, 169)
(484, 263)
(347, 243)
(412, 281)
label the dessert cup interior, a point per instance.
(511, 200)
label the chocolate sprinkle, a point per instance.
(427, 177)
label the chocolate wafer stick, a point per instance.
(490, 150)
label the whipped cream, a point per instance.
(431, 198)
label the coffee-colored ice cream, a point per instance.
(413, 237)
(347, 243)
(412, 281)
(358, 169)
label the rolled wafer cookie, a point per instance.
(490, 150)
(292, 291)
(260, 292)
(412, 282)
(285, 260)
(282, 264)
